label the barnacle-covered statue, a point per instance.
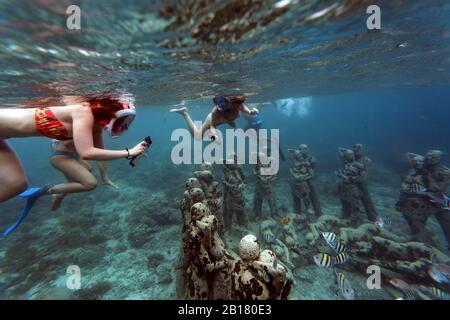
(212, 190)
(263, 189)
(302, 186)
(193, 194)
(246, 281)
(371, 245)
(366, 199)
(423, 192)
(282, 238)
(257, 275)
(351, 177)
(276, 276)
(208, 272)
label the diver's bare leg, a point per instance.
(57, 200)
(12, 176)
(195, 132)
(79, 178)
(191, 126)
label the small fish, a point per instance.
(269, 238)
(323, 260)
(275, 264)
(409, 293)
(285, 220)
(346, 289)
(443, 201)
(330, 237)
(380, 223)
(340, 258)
(417, 188)
(433, 258)
(438, 293)
(340, 247)
(440, 273)
(399, 284)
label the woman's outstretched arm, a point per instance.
(83, 137)
(245, 109)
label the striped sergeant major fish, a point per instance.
(269, 238)
(409, 295)
(440, 273)
(438, 293)
(323, 260)
(326, 261)
(341, 258)
(330, 237)
(417, 188)
(408, 291)
(266, 277)
(442, 201)
(344, 286)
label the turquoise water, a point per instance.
(388, 90)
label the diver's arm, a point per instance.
(99, 143)
(82, 127)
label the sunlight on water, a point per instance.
(294, 106)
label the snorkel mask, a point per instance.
(222, 103)
(122, 119)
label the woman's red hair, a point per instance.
(236, 99)
(104, 109)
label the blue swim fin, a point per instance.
(31, 194)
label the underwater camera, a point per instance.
(148, 142)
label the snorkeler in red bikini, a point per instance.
(83, 121)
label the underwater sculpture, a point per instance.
(257, 275)
(192, 195)
(302, 171)
(426, 181)
(437, 175)
(277, 278)
(366, 199)
(282, 237)
(208, 273)
(211, 189)
(263, 191)
(351, 185)
(233, 198)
